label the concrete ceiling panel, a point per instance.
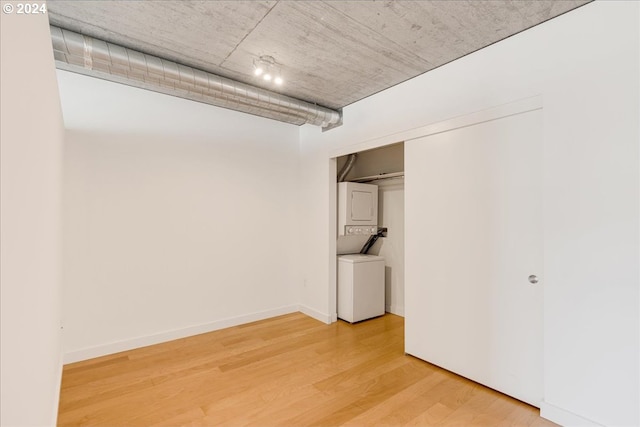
(332, 53)
(200, 34)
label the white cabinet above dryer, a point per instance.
(357, 209)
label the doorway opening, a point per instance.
(383, 168)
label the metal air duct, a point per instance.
(351, 160)
(87, 55)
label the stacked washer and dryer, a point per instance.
(361, 292)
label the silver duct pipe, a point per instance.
(97, 58)
(347, 167)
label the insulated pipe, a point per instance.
(382, 232)
(97, 58)
(347, 167)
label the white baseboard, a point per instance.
(323, 317)
(564, 417)
(130, 344)
(395, 309)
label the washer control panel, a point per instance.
(360, 230)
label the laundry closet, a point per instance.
(370, 233)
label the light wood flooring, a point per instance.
(287, 371)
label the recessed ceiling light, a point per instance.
(267, 77)
(278, 80)
(258, 71)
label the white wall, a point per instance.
(391, 215)
(585, 65)
(31, 148)
(179, 217)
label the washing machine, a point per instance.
(360, 287)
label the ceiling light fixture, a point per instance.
(266, 67)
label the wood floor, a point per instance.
(287, 371)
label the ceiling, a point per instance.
(331, 53)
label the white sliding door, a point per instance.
(473, 208)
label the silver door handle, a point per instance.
(533, 279)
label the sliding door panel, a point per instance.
(473, 248)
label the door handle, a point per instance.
(533, 279)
